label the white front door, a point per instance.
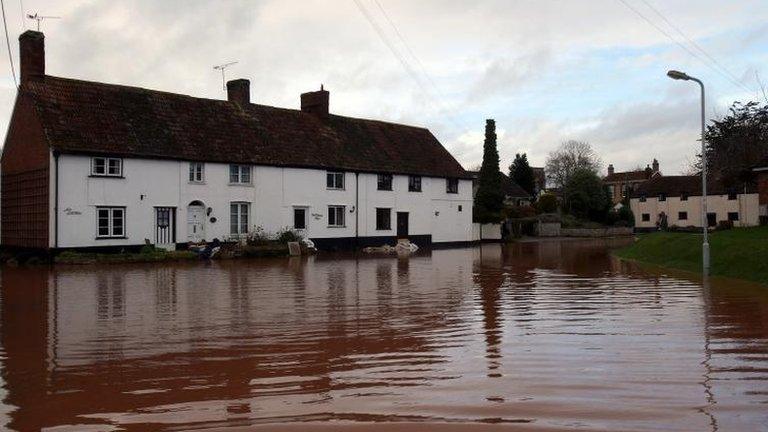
(196, 223)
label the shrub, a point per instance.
(547, 203)
(258, 237)
(289, 234)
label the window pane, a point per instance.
(114, 166)
(243, 218)
(191, 172)
(117, 222)
(329, 183)
(233, 219)
(331, 216)
(99, 166)
(234, 174)
(245, 174)
(340, 180)
(340, 216)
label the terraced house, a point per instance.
(89, 164)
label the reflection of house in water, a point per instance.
(179, 335)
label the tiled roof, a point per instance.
(691, 185)
(511, 188)
(628, 176)
(97, 118)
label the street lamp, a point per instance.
(677, 75)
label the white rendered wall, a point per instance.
(745, 204)
(273, 194)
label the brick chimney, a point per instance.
(316, 103)
(32, 55)
(610, 169)
(239, 91)
(655, 165)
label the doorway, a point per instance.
(196, 222)
(402, 224)
(711, 219)
(165, 227)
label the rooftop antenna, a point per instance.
(222, 67)
(39, 18)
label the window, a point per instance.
(682, 215)
(733, 216)
(460, 208)
(196, 172)
(662, 197)
(732, 196)
(385, 182)
(300, 218)
(239, 174)
(383, 219)
(110, 222)
(334, 180)
(414, 183)
(336, 216)
(106, 167)
(646, 217)
(452, 185)
(642, 198)
(238, 218)
(684, 196)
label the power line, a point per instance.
(693, 43)
(404, 62)
(8, 44)
(681, 45)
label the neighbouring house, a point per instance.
(622, 184)
(762, 188)
(678, 199)
(514, 194)
(96, 165)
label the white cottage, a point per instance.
(94, 165)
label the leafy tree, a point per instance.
(520, 171)
(547, 203)
(569, 158)
(736, 142)
(489, 199)
(587, 196)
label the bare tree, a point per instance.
(571, 156)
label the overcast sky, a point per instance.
(546, 70)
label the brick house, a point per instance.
(622, 184)
(96, 165)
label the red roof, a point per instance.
(628, 176)
(97, 118)
(690, 185)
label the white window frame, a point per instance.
(413, 180)
(112, 212)
(197, 172)
(448, 188)
(240, 174)
(337, 210)
(384, 180)
(335, 183)
(107, 163)
(239, 219)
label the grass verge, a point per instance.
(739, 253)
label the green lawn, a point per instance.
(740, 252)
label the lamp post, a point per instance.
(677, 75)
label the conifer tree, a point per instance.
(489, 199)
(522, 173)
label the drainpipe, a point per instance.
(357, 208)
(56, 201)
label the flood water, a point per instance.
(528, 337)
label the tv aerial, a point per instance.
(39, 18)
(222, 67)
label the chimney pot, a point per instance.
(316, 103)
(610, 169)
(239, 91)
(655, 165)
(32, 55)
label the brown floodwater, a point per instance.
(546, 336)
